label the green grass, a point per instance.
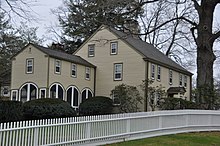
(186, 139)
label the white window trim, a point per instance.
(88, 71)
(153, 71)
(56, 85)
(32, 65)
(111, 48)
(58, 66)
(43, 89)
(16, 98)
(91, 48)
(113, 97)
(72, 97)
(87, 93)
(121, 72)
(74, 70)
(170, 77)
(158, 72)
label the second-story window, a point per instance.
(91, 50)
(114, 48)
(152, 71)
(185, 81)
(158, 73)
(170, 77)
(181, 80)
(73, 70)
(87, 73)
(57, 66)
(29, 66)
(118, 71)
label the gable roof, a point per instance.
(62, 55)
(149, 51)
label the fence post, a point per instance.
(88, 127)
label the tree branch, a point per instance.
(196, 4)
(215, 36)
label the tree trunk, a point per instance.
(205, 54)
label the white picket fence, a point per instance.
(103, 129)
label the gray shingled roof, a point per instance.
(64, 56)
(149, 51)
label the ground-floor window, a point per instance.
(43, 93)
(73, 96)
(14, 95)
(86, 93)
(56, 91)
(28, 91)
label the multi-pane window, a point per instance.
(181, 79)
(114, 48)
(42, 93)
(29, 66)
(170, 77)
(14, 94)
(152, 71)
(158, 72)
(91, 50)
(57, 66)
(185, 81)
(118, 71)
(73, 70)
(87, 73)
(115, 98)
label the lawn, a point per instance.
(186, 139)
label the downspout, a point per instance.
(94, 81)
(146, 85)
(48, 75)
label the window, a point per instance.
(57, 66)
(5, 91)
(42, 93)
(158, 73)
(118, 71)
(87, 73)
(181, 79)
(185, 81)
(29, 66)
(91, 50)
(152, 71)
(86, 93)
(73, 97)
(73, 68)
(14, 94)
(170, 77)
(114, 48)
(56, 91)
(115, 98)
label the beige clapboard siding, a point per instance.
(65, 78)
(19, 76)
(40, 75)
(133, 63)
(165, 79)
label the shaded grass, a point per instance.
(186, 139)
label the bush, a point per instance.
(10, 111)
(98, 105)
(171, 103)
(47, 108)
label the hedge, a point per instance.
(98, 105)
(47, 108)
(10, 111)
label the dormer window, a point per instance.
(114, 48)
(29, 66)
(91, 50)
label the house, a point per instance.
(122, 58)
(106, 59)
(39, 72)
